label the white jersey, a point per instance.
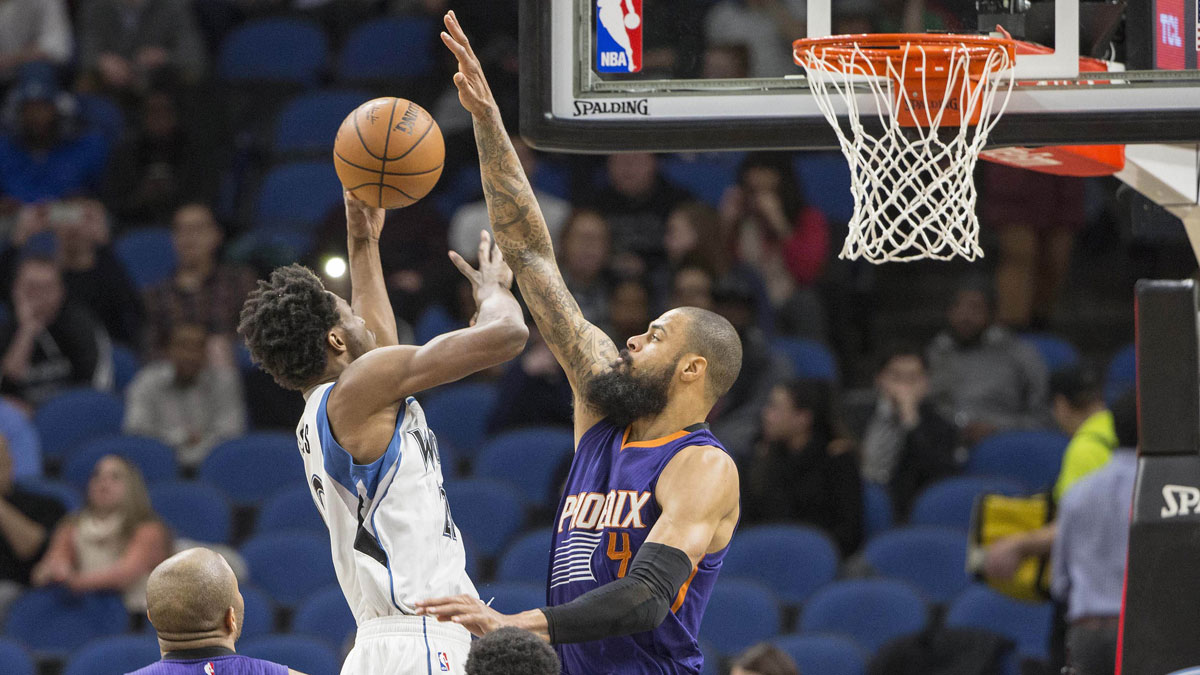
(393, 539)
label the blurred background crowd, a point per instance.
(157, 156)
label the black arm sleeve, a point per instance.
(636, 603)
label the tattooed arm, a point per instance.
(581, 348)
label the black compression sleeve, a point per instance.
(635, 603)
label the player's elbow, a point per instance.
(509, 337)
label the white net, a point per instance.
(914, 197)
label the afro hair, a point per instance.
(284, 322)
(512, 651)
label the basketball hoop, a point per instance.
(914, 197)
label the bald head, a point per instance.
(189, 597)
(712, 336)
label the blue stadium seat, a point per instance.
(193, 510)
(527, 559)
(99, 114)
(932, 559)
(75, 416)
(24, 443)
(712, 659)
(458, 188)
(67, 494)
(290, 509)
(309, 122)
(706, 175)
(740, 614)
(294, 651)
(112, 655)
(278, 246)
(297, 196)
(878, 514)
(810, 359)
(530, 459)
(125, 366)
(472, 558)
(824, 654)
(1121, 375)
(155, 460)
(325, 615)
(1026, 624)
(387, 49)
(825, 182)
(254, 467)
(458, 415)
(950, 502)
(1056, 353)
(794, 560)
(148, 255)
(54, 621)
(870, 611)
(513, 597)
(1032, 457)
(273, 562)
(434, 321)
(273, 50)
(15, 659)
(488, 511)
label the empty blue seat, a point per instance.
(148, 255)
(15, 659)
(872, 612)
(1121, 375)
(531, 459)
(68, 495)
(458, 414)
(487, 511)
(297, 196)
(325, 615)
(1033, 458)
(1056, 353)
(309, 122)
(810, 359)
(125, 366)
(290, 509)
(388, 48)
(740, 614)
(705, 174)
(254, 467)
(155, 460)
(312, 657)
(824, 654)
(116, 654)
(793, 560)
(527, 559)
(1026, 624)
(274, 561)
(513, 597)
(56, 622)
(878, 514)
(193, 510)
(932, 559)
(951, 501)
(824, 179)
(75, 416)
(273, 50)
(24, 443)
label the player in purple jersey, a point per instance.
(193, 602)
(651, 501)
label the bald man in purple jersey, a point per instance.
(651, 500)
(193, 601)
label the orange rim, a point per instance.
(882, 47)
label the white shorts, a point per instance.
(408, 645)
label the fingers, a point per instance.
(463, 266)
(447, 607)
(455, 28)
(485, 247)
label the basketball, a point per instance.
(389, 152)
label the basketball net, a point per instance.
(911, 175)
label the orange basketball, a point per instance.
(389, 152)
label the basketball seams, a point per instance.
(416, 142)
(367, 148)
(386, 173)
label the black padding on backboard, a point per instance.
(1162, 590)
(1168, 355)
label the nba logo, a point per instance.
(619, 36)
(444, 662)
(208, 668)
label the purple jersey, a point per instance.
(225, 664)
(607, 509)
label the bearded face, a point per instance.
(622, 395)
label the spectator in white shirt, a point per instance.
(33, 30)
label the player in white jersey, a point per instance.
(370, 460)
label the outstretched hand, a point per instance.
(363, 221)
(493, 272)
(464, 610)
(473, 90)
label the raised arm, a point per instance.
(581, 348)
(368, 292)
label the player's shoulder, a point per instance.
(703, 463)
